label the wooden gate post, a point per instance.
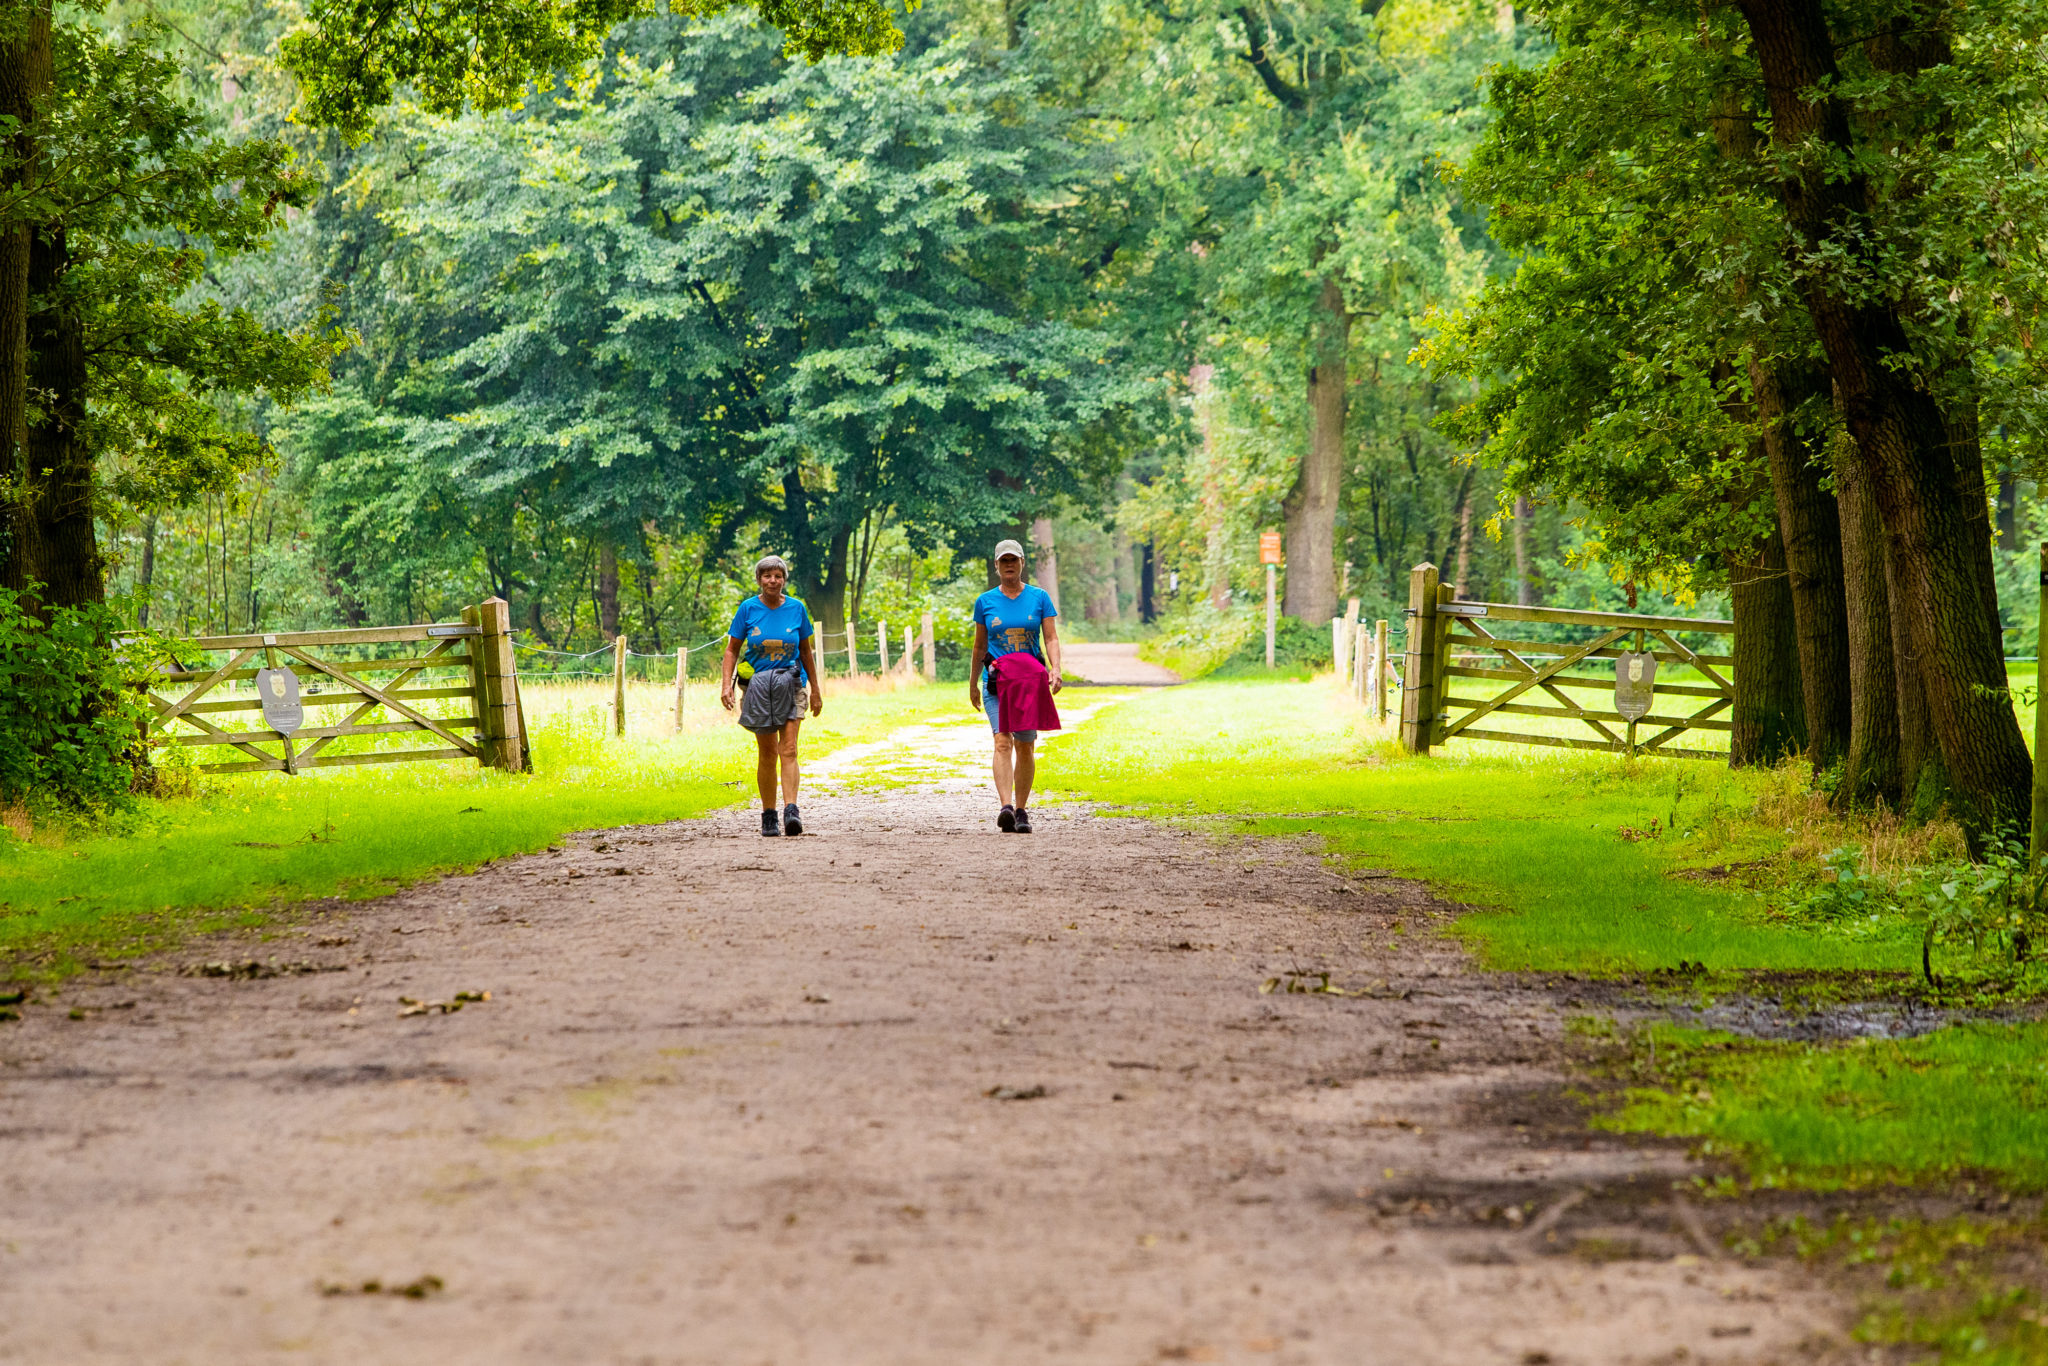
(1379, 672)
(619, 684)
(931, 652)
(1440, 680)
(1418, 671)
(494, 674)
(881, 648)
(2039, 833)
(682, 681)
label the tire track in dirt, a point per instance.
(903, 1090)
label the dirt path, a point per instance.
(1111, 664)
(901, 1091)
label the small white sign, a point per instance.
(1635, 683)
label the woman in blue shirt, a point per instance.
(774, 631)
(1014, 615)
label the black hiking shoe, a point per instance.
(1006, 820)
(1023, 821)
(769, 824)
(792, 824)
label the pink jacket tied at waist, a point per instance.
(1023, 692)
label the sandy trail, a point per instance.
(904, 1090)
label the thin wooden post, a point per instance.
(852, 650)
(881, 648)
(1349, 674)
(1272, 572)
(682, 681)
(494, 676)
(619, 684)
(1379, 673)
(1418, 672)
(931, 651)
(1337, 647)
(909, 664)
(1361, 658)
(2040, 828)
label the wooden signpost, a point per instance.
(1269, 556)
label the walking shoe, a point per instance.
(769, 824)
(1006, 819)
(792, 824)
(1023, 821)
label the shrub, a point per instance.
(73, 722)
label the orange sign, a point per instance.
(1269, 547)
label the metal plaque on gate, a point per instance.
(278, 691)
(1635, 680)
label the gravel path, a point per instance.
(904, 1090)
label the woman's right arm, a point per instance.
(727, 665)
(974, 666)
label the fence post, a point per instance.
(682, 681)
(881, 648)
(2039, 833)
(494, 673)
(1418, 671)
(1379, 673)
(931, 652)
(1337, 646)
(1271, 572)
(1351, 644)
(1361, 658)
(619, 684)
(909, 664)
(1440, 682)
(852, 650)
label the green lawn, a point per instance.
(1555, 845)
(253, 843)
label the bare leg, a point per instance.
(788, 753)
(1001, 765)
(1026, 768)
(764, 767)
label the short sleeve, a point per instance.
(981, 610)
(1048, 608)
(738, 629)
(803, 625)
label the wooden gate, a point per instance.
(481, 647)
(1534, 675)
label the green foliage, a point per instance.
(350, 55)
(72, 718)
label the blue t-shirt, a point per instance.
(773, 636)
(1013, 623)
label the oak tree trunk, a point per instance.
(1810, 524)
(1902, 439)
(1769, 718)
(1871, 770)
(608, 591)
(1311, 505)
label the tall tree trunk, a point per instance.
(1902, 438)
(608, 591)
(1525, 589)
(2008, 509)
(1769, 719)
(1048, 570)
(1811, 526)
(1870, 771)
(148, 571)
(1148, 576)
(24, 78)
(1461, 580)
(1311, 505)
(68, 559)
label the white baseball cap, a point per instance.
(1008, 548)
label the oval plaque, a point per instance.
(1635, 682)
(278, 691)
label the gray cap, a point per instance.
(1007, 548)
(770, 562)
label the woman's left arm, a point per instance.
(1051, 631)
(810, 658)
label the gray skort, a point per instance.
(773, 699)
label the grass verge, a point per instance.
(245, 846)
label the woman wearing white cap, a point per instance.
(1013, 616)
(774, 630)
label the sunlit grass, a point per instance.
(250, 843)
